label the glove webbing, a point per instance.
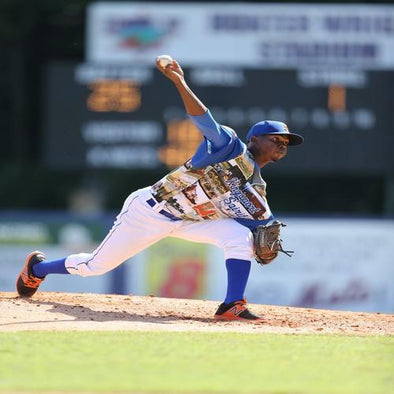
(277, 243)
(280, 247)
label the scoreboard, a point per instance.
(99, 116)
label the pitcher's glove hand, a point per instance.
(267, 242)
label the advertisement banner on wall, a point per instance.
(339, 264)
(245, 35)
(176, 269)
(57, 235)
(343, 264)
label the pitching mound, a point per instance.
(69, 311)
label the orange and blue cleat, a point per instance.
(27, 284)
(237, 311)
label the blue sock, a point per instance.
(237, 278)
(41, 270)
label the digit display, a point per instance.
(117, 117)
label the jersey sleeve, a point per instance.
(211, 130)
(220, 142)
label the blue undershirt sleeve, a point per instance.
(220, 143)
(251, 224)
(211, 130)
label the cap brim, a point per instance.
(294, 139)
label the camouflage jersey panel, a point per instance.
(222, 190)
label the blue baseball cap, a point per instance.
(273, 127)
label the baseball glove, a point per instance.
(267, 242)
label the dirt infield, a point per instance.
(71, 311)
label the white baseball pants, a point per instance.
(140, 225)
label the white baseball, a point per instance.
(164, 60)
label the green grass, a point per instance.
(195, 362)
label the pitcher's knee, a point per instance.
(85, 264)
(239, 245)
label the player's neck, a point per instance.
(258, 157)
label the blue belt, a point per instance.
(169, 215)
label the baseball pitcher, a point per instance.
(218, 197)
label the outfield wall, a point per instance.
(344, 264)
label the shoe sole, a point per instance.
(27, 292)
(238, 319)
